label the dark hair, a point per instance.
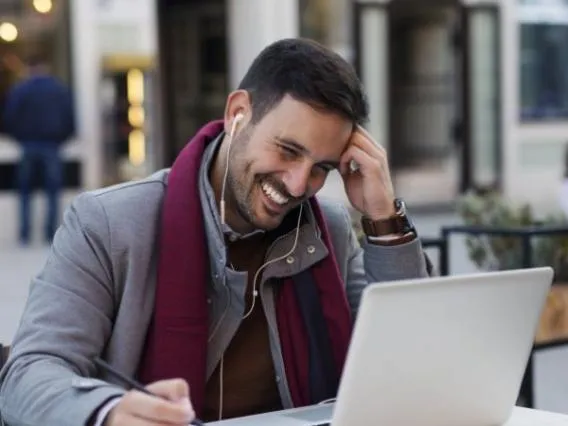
(309, 73)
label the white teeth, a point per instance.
(274, 195)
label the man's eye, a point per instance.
(288, 152)
(325, 168)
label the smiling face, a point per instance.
(281, 161)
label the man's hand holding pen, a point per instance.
(165, 402)
(137, 408)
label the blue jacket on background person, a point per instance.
(39, 108)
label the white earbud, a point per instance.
(236, 121)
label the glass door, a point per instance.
(425, 84)
(193, 67)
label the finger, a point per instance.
(367, 163)
(158, 410)
(347, 164)
(365, 141)
(173, 389)
(364, 131)
(368, 145)
(367, 135)
(344, 163)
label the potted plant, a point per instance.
(491, 209)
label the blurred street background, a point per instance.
(469, 98)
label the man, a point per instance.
(222, 284)
(39, 115)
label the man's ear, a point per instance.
(238, 103)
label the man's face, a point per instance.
(282, 160)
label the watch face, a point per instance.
(400, 205)
(408, 225)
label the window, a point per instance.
(544, 59)
(314, 20)
(30, 28)
(329, 23)
(544, 71)
(32, 32)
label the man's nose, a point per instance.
(297, 180)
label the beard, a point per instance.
(239, 199)
(243, 199)
(244, 189)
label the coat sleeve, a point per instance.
(365, 263)
(66, 322)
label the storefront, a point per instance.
(29, 28)
(540, 108)
(468, 94)
(433, 70)
(148, 73)
(205, 49)
(463, 94)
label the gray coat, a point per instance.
(95, 296)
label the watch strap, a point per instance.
(403, 239)
(397, 224)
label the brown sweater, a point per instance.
(249, 384)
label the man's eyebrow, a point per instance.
(302, 149)
(293, 144)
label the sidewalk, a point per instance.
(17, 264)
(9, 213)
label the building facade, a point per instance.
(149, 73)
(463, 93)
(468, 94)
(26, 29)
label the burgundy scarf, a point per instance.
(176, 343)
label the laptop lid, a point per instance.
(441, 351)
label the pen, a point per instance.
(133, 383)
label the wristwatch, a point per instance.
(398, 224)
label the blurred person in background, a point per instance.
(38, 114)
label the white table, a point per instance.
(519, 417)
(528, 417)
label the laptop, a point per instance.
(444, 351)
